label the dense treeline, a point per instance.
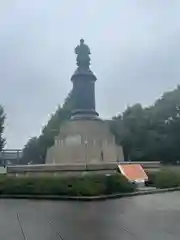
(151, 133)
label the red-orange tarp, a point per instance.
(133, 172)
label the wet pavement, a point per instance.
(149, 217)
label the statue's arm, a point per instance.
(77, 50)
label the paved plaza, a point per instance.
(150, 217)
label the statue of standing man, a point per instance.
(83, 52)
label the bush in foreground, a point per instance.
(88, 185)
(151, 178)
(167, 179)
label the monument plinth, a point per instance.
(84, 138)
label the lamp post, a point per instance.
(85, 144)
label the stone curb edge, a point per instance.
(92, 198)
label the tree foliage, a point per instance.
(2, 119)
(35, 150)
(150, 133)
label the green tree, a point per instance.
(35, 149)
(166, 111)
(130, 130)
(150, 133)
(31, 151)
(2, 119)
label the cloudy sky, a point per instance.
(135, 56)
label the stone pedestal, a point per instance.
(84, 141)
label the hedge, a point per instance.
(165, 178)
(88, 185)
(151, 178)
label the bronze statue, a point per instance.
(83, 52)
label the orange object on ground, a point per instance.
(133, 172)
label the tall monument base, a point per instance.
(84, 141)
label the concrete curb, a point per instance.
(92, 198)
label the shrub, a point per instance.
(88, 185)
(167, 178)
(118, 183)
(151, 178)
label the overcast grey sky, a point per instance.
(135, 56)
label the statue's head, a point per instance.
(82, 41)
